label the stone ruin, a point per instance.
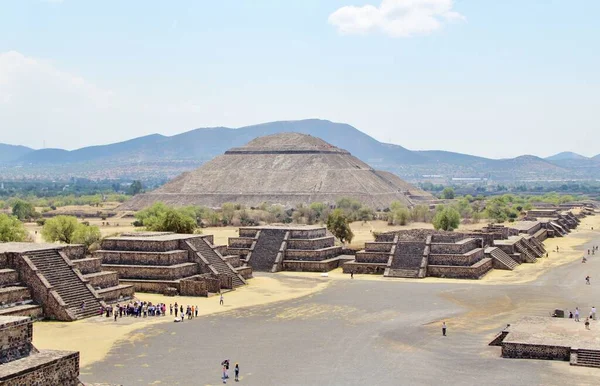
(556, 221)
(285, 169)
(23, 364)
(53, 281)
(419, 253)
(170, 263)
(282, 248)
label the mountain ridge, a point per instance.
(199, 145)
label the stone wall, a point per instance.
(48, 367)
(473, 272)
(311, 266)
(308, 233)
(115, 244)
(103, 279)
(245, 272)
(74, 251)
(466, 259)
(459, 247)
(12, 295)
(318, 243)
(155, 286)
(143, 258)
(372, 257)
(15, 339)
(89, 265)
(154, 272)
(532, 351)
(364, 268)
(194, 287)
(8, 276)
(374, 246)
(248, 232)
(312, 255)
(240, 242)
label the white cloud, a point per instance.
(396, 18)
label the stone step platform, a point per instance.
(14, 294)
(316, 265)
(30, 309)
(475, 271)
(114, 294)
(153, 272)
(216, 260)
(47, 367)
(88, 265)
(8, 277)
(102, 279)
(403, 273)
(588, 358)
(166, 258)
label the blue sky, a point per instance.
(491, 78)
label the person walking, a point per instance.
(593, 313)
(196, 311)
(443, 328)
(587, 279)
(577, 314)
(224, 377)
(236, 370)
(171, 308)
(587, 323)
(221, 300)
(351, 275)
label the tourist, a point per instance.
(116, 312)
(351, 275)
(587, 279)
(593, 313)
(224, 375)
(181, 310)
(83, 306)
(577, 314)
(175, 309)
(196, 311)
(570, 315)
(182, 316)
(584, 260)
(237, 372)
(221, 300)
(587, 323)
(443, 328)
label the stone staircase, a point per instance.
(67, 283)
(218, 263)
(527, 255)
(407, 260)
(588, 358)
(501, 258)
(264, 254)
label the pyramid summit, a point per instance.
(286, 169)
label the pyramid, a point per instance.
(286, 169)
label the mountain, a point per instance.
(9, 153)
(157, 156)
(566, 155)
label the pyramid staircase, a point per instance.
(407, 260)
(68, 284)
(264, 255)
(529, 258)
(588, 358)
(501, 259)
(215, 259)
(533, 248)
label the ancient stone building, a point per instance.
(273, 248)
(286, 169)
(164, 262)
(557, 222)
(467, 255)
(54, 281)
(22, 364)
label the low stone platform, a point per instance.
(553, 339)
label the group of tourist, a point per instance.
(145, 309)
(587, 320)
(225, 375)
(190, 311)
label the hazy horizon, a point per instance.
(492, 79)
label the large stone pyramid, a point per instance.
(286, 169)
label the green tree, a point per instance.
(446, 218)
(176, 221)
(23, 210)
(86, 234)
(11, 229)
(420, 213)
(339, 226)
(228, 212)
(136, 187)
(448, 193)
(60, 228)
